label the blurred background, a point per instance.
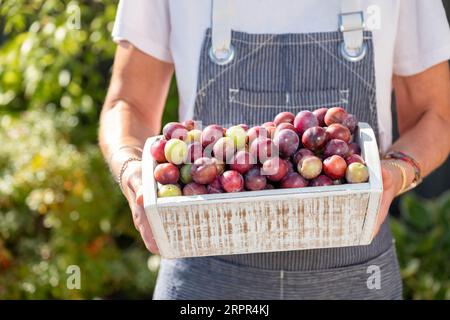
(58, 204)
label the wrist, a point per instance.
(130, 171)
(409, 163)
(119, 156)
(402, 174)
(126, 165)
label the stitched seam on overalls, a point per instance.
(346, 64)
(288, 107)
(345, 95)
(291, 42)
(221, 73)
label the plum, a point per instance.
(241, 162)
(263, 149)
(169, 190)
(269, 124)
(334, 167)
(287, 142)
(257, 132)
(271, 131)
(293, 180)
(310, 167)
(274, 168)
(354, 158)
(157, 150)
(220, 165)
(357, 173)
(303, 120)
(254, 180)
(339, 131)
(215, 186)
(335, 115)
(176, 151)
(321, 181)
(194, 152)
(353, 148)
(203, 170)
(211, 134)
(185, 173)
(166, 173)
(193, 136)
(193, 189)
(350, 121)
(314, 138)
(238, 135)
(284, 125)
(232, 181)
(244, 126)
(320, 114)
(175, 130)
(224, 149)
(336, 147)
(191, 124)
(284, 117)
(300, 154)
(290, 166)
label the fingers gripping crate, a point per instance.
(267, 220)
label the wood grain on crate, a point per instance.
(267, 220)
(285, 224)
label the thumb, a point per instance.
(139, 196)
(386, 174)
(134, 182)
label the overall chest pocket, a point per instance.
(257, 107)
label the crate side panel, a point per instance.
(264, 226)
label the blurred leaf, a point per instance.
(58, 204)
(416, 212)
(423, 246)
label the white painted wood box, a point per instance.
(268, 220)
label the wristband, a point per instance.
(404, 178)
(404, 157)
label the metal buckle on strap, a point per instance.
(353, 47)
(360, 26)
(221, 56)
(353, 55)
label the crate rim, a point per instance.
(374, 187)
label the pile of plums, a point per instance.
(293, 151)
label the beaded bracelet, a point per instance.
(402, 156)
(123, 168)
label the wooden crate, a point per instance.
(267, 220)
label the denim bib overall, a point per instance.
(249, 78)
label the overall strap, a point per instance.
(221, 52)
(351, 24)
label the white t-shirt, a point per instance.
(409, 36)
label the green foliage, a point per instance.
(59, 207)
(58, 203)
(423, 246)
